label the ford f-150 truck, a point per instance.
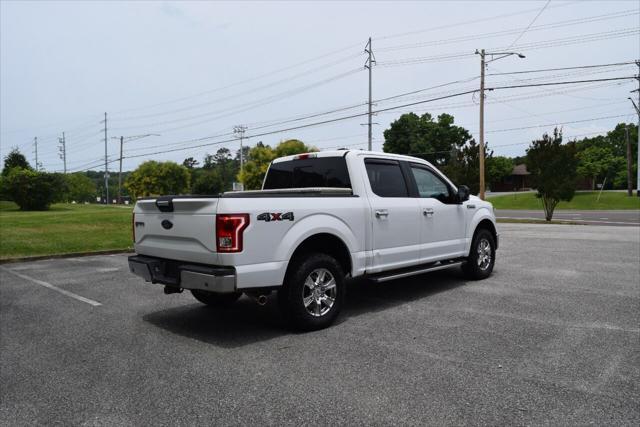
(320, 218)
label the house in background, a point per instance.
(517, 181)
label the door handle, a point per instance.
(471, 206)
(382, 213)
(427, 212)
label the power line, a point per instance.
(541, 70)
(475, 36)
(466, 23)
(560, 83)
(236, 95)
(270, 73)
(585, 38)
(530, 24)
(352, 116)
(556, 124)
(241, 107)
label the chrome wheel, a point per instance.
(319, 292)
(484, 254)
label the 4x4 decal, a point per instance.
(275, 216)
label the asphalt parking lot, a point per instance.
(553, 337)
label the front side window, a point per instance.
(430, 185)
(386, 178)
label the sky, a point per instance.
(188, 72)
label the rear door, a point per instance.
(442, 225)
(394, 216)
(178, 228)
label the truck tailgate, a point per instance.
(177, 228)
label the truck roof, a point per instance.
(344, 153)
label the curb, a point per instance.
(61, 256)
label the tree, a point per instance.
(190, 163)
(498, 167)
(31, 190)
(553, 170)
(606, 155)
(15, 159)
(207, 181)
(463, 165)
(254, 170)
(158, 178)
(425, 137)
(597, 162)
(80, 188)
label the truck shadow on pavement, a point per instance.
(246, 323)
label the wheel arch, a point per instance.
(326, 243)
(482, 221)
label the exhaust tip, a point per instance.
(261, 300)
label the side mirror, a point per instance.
(463, 193)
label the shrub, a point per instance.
(31, 190)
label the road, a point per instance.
(612, 218)
(551, 338)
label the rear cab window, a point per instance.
(309, 172)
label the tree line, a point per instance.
(555, 166)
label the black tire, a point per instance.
(296, 291)
(216, 300)
(473, 268)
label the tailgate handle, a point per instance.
(164, 204)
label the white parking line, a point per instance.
(50, 286)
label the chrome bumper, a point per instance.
(182, 275)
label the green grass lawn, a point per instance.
(609, 200)
(65, 228)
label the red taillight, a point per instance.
(229, 229)
(133, 227)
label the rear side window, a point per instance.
(386, 178)
(311, 172)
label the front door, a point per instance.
(395, 217)
(443, 220)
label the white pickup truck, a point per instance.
(320, 218)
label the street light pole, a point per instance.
(483, 64)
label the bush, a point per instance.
(31, 190)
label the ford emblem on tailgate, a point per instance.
(166, 224)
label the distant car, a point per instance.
(320, 217)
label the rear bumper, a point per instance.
(183, 275)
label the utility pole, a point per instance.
(239, 130)
(106, 169)
(369, 65)
(638, 131)
(35, 141)
(629, 148)
(629, 163)
(63, 151)
(128, 138)
(483, 64)
(481, 146)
